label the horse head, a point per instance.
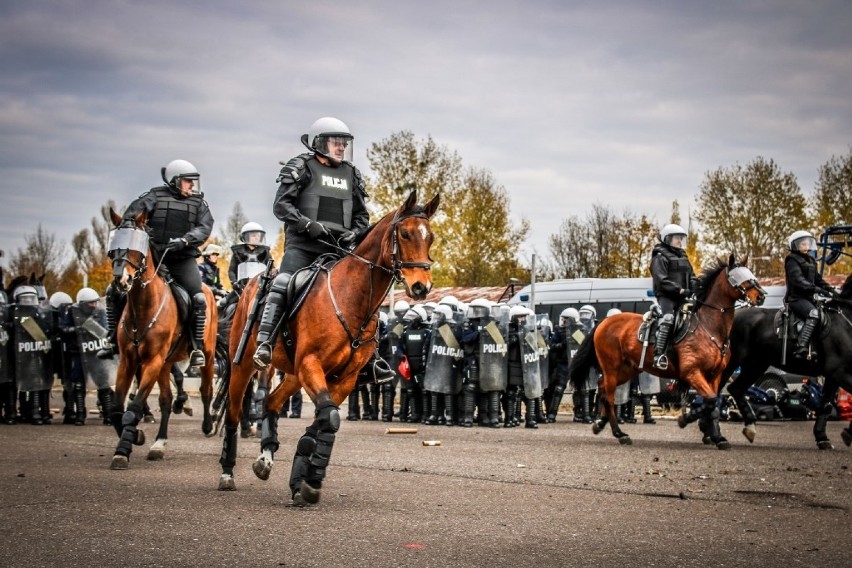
(410, 239)
(128, 249)
(743, 283)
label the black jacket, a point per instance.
(671, 272)
(803, 279)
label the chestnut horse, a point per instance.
(698, 359)
(150, 338)
(334, 333)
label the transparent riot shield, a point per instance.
(622, 393)
(648, 383)
(395, 329)
(493, 357)
(444, 354)
(543, 333)
(92, 337)
(32, 345)
(530, 361)
(6, 373)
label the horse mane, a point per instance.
(417, 210)
(708, 276)
(846, 289)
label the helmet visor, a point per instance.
(337, 147)
(254, 237)
(677, 240)
(804, 244)
(478, 312)
(188, 184)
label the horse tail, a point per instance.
(582, 361)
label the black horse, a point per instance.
(755, 346)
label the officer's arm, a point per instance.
(232, 268)
(145, 202)
(293, 177)
(201, 232)
(360, 215)
(797, 280)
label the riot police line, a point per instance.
(41, 340)
(487, 364)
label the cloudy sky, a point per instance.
(623, 103)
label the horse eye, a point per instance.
(404, 234)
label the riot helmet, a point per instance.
(430, 307)
(673, 236)
(383, 318)
(613, 312)
(798, 240)
(330, 137)
(400, 307)
(181, 175)
(26, 296)
(451, 301)
(87, 295)
(544, 323)
(478, 309)
(442, 314)
(415, 314)
(59, 299)
(253, 234)
(212, 249)
(3, 298)
(588, 312)
(518, 314)
(569, 315)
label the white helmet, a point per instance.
(430, 307)
(181, 169)
(415, 313)
(798, 238)
(590, 312)
(59, 299)
(87, 295)
(519, 311)
(479, 308)
(212, 249)
(383, 318)
(451, 301)
(330, 130)
(25, 296)
(671, 230)
(569, 313)
(612, 312)
(251, 228)
(400, 307)
(442, 313)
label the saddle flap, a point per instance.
(299, 286)
(183, 301)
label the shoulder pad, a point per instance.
(294, 170)
(359, 181)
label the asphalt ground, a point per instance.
(556, 496)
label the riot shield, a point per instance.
(32, 348)
(543, 339)
(444, 354)
(493, 357)
(648, 383)
(530, 361)
(246, 270)
(395, 329)
(622, 393)
(6, 374)
(92, 336)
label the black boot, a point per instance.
(630, 411)
(354, 407)
(35, 408)
(381, 370)
(404, 403)
(374, 402)
(586, 399)
(511, 401)
(529, 415)
(432, 414)
(481, 409)
(469, 402)
(68, 412)
(577, 400)
(661, 360)
(555, 401)
(274, 309)
(80, 403)
(804, 341)
(415, 401)
(451, 403)
(105, 397)
(367, 413)
(539, 415)
(199, 318)
(388, 393)
(646, 409)
(493, 409)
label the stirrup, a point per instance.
(196, 358)
(382, 373)
(661, 362)
(262, 356)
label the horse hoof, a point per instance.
(187, 410)
(156, 454)
(846, 435)
(207, 428)
(750, 432)
(119, 462)
(706, 440)
(825, 445)
(226, 483)
(308, 494)
(140, 438)
(625, 441)
(261, 468)
(177, 408)
(681, 421)
(723, 444)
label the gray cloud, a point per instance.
(627, 104)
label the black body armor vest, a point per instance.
(328, 197)
(173, 216)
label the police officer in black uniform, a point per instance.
(179, 221)
(209, 269)
(674, 280)
(251, 248)
(414, 344)
(803, 281)
(321, 197)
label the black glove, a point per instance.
(316, 230)
(176, 244)
(347, 238)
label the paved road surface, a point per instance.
(556, 496)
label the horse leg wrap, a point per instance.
(228, 459)
(821, 422)
(710, 418)
(127, 437)
(306, 446)
(269, 432)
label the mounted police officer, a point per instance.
(249, 256)
(179, 221)
(674, 280)
(320, 193)
(803, 282)
(209, 269)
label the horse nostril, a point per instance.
(419, 290)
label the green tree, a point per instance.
(750, 211)
(832, 197)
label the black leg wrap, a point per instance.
(318, 461)
(129, 420)
(269, 432)
(301, 460)
(710, 418)
(228, 459)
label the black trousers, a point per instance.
(185, 272)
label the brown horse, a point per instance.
(698, 359)
(150, 338)
(334, 333)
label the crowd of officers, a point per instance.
(488, 364)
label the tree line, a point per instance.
(745, 209)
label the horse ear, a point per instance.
(410, 202)
(432, 206)
(114, 217)
(141, 218)
(732, 262)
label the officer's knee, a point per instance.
(281, 281)
(199, 300)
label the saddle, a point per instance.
(651, 322)
(303, 280)
(787, 324)
(182, 299)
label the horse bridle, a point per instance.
(749, 278)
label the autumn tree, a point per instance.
(43, 254)
(90, 247)
(831, 201)
(750, 211)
